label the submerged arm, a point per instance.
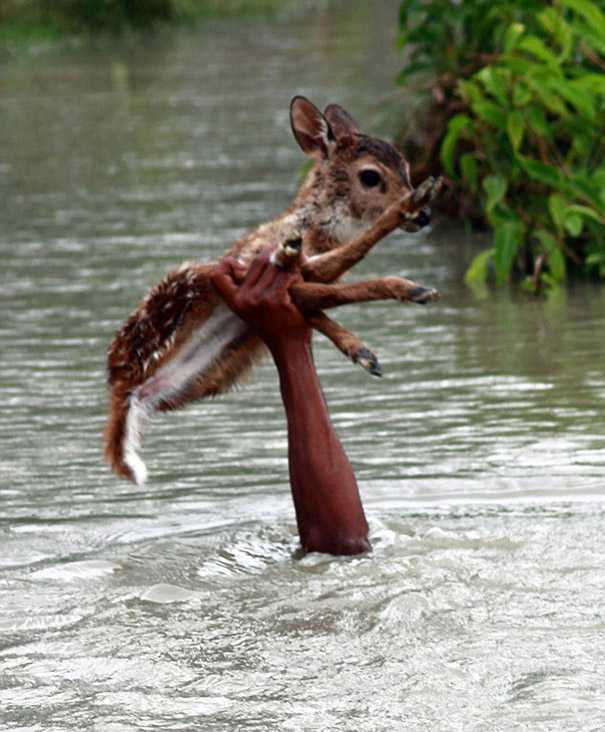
(328, 507)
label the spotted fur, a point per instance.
(181, 344)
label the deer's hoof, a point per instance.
(421, 195)
(436, 187)
(427, 191)
(367, 360)
(423, 295)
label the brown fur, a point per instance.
(331, 203)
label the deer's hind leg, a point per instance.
(346, 342)
(310, 296)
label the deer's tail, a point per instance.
(128, 417)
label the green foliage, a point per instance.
(528, 135)
(23, 21)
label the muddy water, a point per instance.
(181, 606)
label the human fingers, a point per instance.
(258, 266)
(224, 281)
(239, 269)
(272, 277)
(279, 289)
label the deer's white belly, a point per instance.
(193, 359)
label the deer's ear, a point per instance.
(341, 122)
(310, 128)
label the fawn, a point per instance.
(183, 343)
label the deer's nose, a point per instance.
(423, 218)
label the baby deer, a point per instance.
(183, 343)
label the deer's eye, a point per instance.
(370, 178)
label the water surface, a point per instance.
(181, 606)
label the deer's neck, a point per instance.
(324, 220)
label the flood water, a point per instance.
(182, 606)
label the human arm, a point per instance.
(328, 507)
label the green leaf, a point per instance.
(476, 274)
(508, 238)
(469, 170)
(552, 20)
(557, 206)
(495, 82)
(512, 36)
(548, 97)
(456, 125)
(556, 264)
(574, 224)
(592, 82)
(537, 47)
(515, 125)
(495, 186)
(582, 100)
(491, 113)
(590, 11)
(537, 121)
(556, 260)
(521, 94)
(597, 260)
(541, 171)
(470, 92)
(585, 211)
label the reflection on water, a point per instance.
(181, 606)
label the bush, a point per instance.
(522, 88)
(42, 18)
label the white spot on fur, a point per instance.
(136, 421)
(193, 359)
(347, 229)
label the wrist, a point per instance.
(290, 351)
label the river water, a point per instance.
(183, 605)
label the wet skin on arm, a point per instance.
(328, 507)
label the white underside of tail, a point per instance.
(136, 421)
(194, 358)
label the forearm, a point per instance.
(326, 498)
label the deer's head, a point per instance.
(356, 176)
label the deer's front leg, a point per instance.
(345, 341)
(311, 296)
(331, 265)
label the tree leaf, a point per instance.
(557, 206)
(495, 186)
(552, 20)
(548, 97)
(495, 83)
(537, 47)
(508, 238)
(541, 171)
(574, 223)
(582, 100)
(469, 170)
(585, 211)
(515, 125)
(590, 11)
(554, 255)
(521, 94)
(537, 121)
(456, 125)
(476, 274)
(491, 113)
(512, 36)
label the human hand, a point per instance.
(260, 297)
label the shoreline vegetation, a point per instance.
(513, 111)
(29, 25)
(506, 97)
